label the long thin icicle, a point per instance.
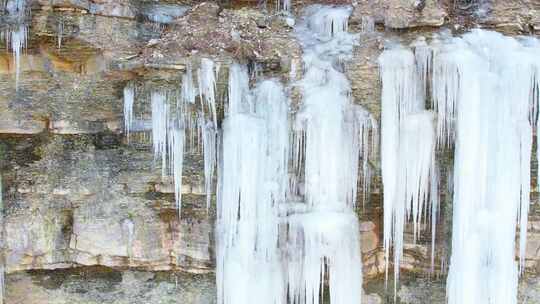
(176, 154)
(209, 134)
(17, 39)
(129, 99)
(160, 127)
(16, 36)
(207, 75)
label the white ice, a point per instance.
(409, 171)
(129, 99)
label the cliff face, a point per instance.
(88, 216)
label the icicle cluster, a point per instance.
(282, 228)
(409, 171)
(493, 142)
(484, 87)
(174, 127)
(16, 36)
(17, 40)
(207, 75)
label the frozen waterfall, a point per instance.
(331, 137)
(492, 163)
(484, 89)
(284, 233)
(283, 230)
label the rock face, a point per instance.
(89, 217)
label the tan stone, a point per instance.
(369, 241)
(399, 14)
(76, 127)
(15, 124)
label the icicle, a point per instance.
(525, 130)
(16, 8)
(326, 21)
(207, 86)
(417, 178)
(129, 98)
(188, 88)
(272, 105)
(239, 97)
(160, 127)
(444, 87)
(16, 39)
(423, 55)
(209, 154)
(60, 32)
(284, 5)
(368, 24)
(394, 77)
(293, 71)
(328, 243)
(176, 153)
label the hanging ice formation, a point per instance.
(498, 78)
(368, 24)
(284, 5)
(129, 98)
(60, 32)
(282, 228)
(207, 75)
(174, 126)
(253, 182)
(16, 35)
(485, 88)
(330, 134)
(409, 170)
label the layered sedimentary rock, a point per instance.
(77, 195)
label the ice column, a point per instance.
(492, 163)
(252, 183)
(407, 147)
(323, 237)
